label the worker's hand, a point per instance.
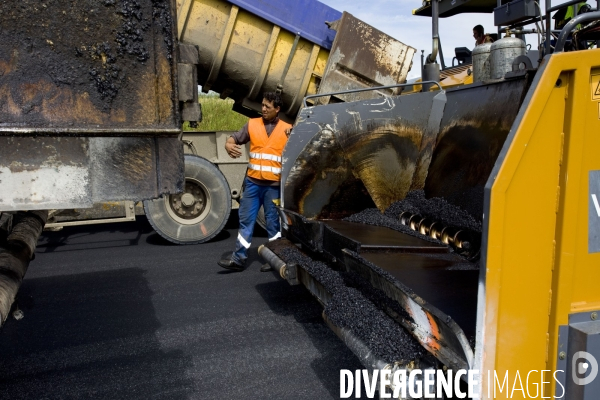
(288, 131)
(233, 149)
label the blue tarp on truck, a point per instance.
(306, 17)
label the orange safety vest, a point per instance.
(266, 151)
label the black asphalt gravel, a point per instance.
(436, 208)
(116, 312)
(358, 307)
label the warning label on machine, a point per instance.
(595, 86)
(594, 213)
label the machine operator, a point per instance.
(480, 36)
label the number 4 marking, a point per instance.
(595, 199)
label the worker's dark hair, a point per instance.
(274, 98)
(478, 29)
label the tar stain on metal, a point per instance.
(384, 157)
(321, 183)
(79, 55)
(53, 152)
(162, 16)
(470, 141)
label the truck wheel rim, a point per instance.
(191, 206)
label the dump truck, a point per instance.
(89, 112)
(240, 49)
(93, 96)
(457, 227)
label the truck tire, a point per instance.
(200, 212)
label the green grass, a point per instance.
(217, 115)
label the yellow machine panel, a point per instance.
(540, 266)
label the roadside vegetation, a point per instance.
(217, 115)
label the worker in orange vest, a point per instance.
(480, 36)
(267, 136)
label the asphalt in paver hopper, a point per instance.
(392, 189)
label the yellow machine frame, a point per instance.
(538, 268)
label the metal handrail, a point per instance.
(564, 33)
(567, 4)
(312, 96)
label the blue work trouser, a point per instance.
(253, 197)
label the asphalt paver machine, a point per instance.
(457, 225)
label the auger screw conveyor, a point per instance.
(464, 219)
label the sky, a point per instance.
(395, 18)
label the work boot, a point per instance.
(266, 268)
(228, 263)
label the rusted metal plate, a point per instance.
(362, 56)
(38, 173)
(88, 67)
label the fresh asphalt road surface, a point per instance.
(114, 311)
